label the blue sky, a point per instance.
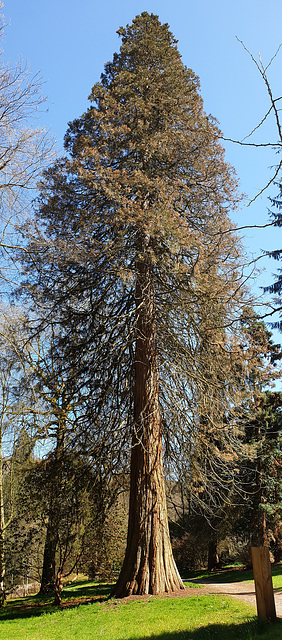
(69, 43)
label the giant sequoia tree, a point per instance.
(131, 249)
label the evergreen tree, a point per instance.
(260, 467)
(276, 286)
(130, 246)
(12, 430)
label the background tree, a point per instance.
(260, 469)
(14, 413)
(75, 463)
(25, 149)
(73, 451)
(126, 231)
(231, 492)
(9, 368)
(22, 536)
(276, 287)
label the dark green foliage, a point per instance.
(23, 536)
(276, 287)
(261, 469)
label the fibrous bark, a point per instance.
(149, 566)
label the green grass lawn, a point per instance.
(192, 618)
(238, 574)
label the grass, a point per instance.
(92, 616)
(238, 574)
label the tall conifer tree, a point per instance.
(130, 248)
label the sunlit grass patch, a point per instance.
(237, 574)
(200, 617)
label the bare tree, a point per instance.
(274, 111)
(25, 147)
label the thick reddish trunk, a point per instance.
(149, 566)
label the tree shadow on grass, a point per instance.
(39, 609)
(253, 630)
(85, 590)
(36, 606)
(222, 576)
(235, 574)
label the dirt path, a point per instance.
(243, 591)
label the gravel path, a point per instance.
(243, 591)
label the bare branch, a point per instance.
(267, 185)
(273, 108)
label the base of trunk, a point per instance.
(149, 566)
(132, 586)
(152, 573)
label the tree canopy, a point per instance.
(132, 257)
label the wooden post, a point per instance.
(263, 583)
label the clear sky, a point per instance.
(69, 43)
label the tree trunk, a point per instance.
(258, 528)
(149, 566)
(258, 521)
(213, 560)
(48, 576)
(48, 569)
(58, 587)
